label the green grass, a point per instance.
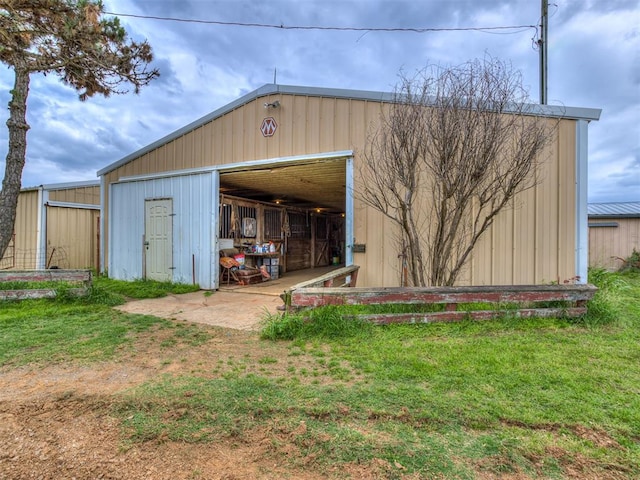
(525, 397)
(77, 328)
(537, 398)
(39, 333)
(143, 288)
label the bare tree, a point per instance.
(450, 152)
(71, 39)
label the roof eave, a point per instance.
(63, 186)
(68, 185)
(603, 216)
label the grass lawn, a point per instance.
(70, 328)
(548, 398)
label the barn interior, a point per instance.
(293, 212)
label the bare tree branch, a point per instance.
(450, 152)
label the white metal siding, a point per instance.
(194, 209)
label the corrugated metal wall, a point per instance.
(606, 243)
(72, 237)
(26, 231)
(532, 243)
(194, 207)
(533, 240)
(86, 195)
(72, 233)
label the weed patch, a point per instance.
(140, 289)
(326, 322)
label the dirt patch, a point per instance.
(76, 438)
(56, 421)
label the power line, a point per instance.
(518, 28)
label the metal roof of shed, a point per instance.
(618, 209)
(575, 113)
(63, 185)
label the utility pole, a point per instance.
(542, 45)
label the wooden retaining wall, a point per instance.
(81, 277)
(339, 278)
(519, 301)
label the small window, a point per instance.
(272, 224)
(300, 225)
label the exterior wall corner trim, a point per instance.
(582, 220)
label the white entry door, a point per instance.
(158, 243)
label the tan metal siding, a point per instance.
(546, 220)
(86, 195)
(607, 243)
(305, 125)
(533, 242)
(524, 244)
(241, 120)
(567, 209)
(26, 230)
(72, 239)
(378, 265)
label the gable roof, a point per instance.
(576, 113)
(617, 209)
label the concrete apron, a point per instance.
(233, 306)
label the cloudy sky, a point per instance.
(594, 61)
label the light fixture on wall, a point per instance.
(275, 104)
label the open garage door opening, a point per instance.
(298, 212)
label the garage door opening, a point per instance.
(299, 212)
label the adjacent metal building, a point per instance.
(57, 225)
(614, 232)
(300, 146)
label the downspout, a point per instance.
(582, 220)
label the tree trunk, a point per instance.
(16, 155)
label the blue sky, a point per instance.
(594, 61)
